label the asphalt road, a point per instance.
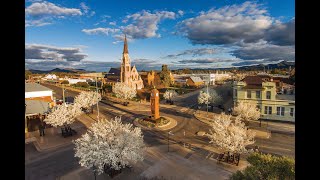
(50, 167)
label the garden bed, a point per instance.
(148, 122)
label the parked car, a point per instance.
(59, 101)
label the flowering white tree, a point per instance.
(63, 114)
(247, 111)
(169, 94)
(124, 91)
(229, 135)
(110, 143)
(204, 98)
(215, 97)
(87, 99)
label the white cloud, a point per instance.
(113, 23)
(180, 12)
(105, 31)
(226, 25)
(43, 13)
(86, 9)
(144, 24)
(47, 8)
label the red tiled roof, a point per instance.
(253, 80)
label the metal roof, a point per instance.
(196, 79)
(33, 87)
(36, 107)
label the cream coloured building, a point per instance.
(129, 75)
(273, 105)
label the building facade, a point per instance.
(273, 105)
(129, 75)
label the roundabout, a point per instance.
(145, 124)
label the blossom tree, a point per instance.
(109, 144)
(63, 114)
(169, 94)
(247, 111)
(204, 98)
(229, 135)
(87, 99)
(123, 91)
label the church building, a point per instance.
(129, 75)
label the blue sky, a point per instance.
(181, 33)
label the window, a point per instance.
(127, 68)
(292, 112)
(267, 110)
(268, 94)
(280, 111)
(258, 94)
(249, 94)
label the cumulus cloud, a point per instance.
(144, 24)
(226, 25)
(281, 33)
(105, 31)
(193, 52)
(46, 52)
(43, 13)
(266, 52)
(47, 8)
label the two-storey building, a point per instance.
(263, 92)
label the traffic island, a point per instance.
(162, 124)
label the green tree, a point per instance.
(165, 76)
(107, 88)
(267, 167)
(65, 82)
(82, 84)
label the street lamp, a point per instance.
(169, 133)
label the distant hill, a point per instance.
(280, 65)
(67, 70)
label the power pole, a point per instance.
(97, 97)
(208, 100)
(63, 93)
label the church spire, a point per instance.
(125, 46)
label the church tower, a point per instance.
(125, 64)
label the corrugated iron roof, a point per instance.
(36, 106)
(33, 87)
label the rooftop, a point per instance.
(33, 87)
(196, 79)
(36, 107)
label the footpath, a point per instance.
(53, 138)
(179, 163)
